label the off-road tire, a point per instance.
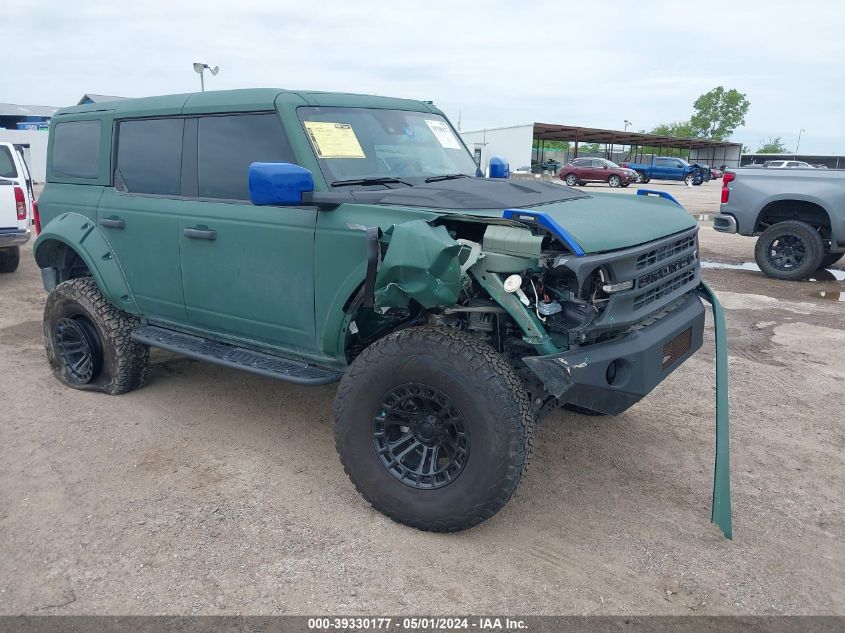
(614, 181)
(123, 364)
(830, 259)
(490, 398)
(810, 240)
(9, 259)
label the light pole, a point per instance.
(627, 123)
(800, 132)
(200, 68)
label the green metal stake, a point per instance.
(721, 512)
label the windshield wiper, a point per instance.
(369, 181)
(445, 177)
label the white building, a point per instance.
(512, 143)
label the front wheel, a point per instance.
(434, 428)
(571, 180)
(614, 181)
(10, 258)
(789, 250)
(88, 340)
(688, 180)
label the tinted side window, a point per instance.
(76, 149)
(149, 156)
(228, 144)
(7, 165)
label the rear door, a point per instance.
(658, 169)
(139, 215)
(247, 271)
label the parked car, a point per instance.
(13, 167)
(786, 164)
(715, 174)
(798, 217)
(580, 171)
(14, 224)
(301, 236)
(667, 168)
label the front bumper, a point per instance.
(13, 237)
(725, 223)
(611, 376)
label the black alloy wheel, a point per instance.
(420, 436)
(786, 252)
(79, 348)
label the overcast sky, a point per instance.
(592, 63)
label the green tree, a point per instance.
(682, 129)
(773, 146)
(719, 112)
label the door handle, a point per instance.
(200, 234)
(112, 223)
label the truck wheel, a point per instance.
(571, 180)
(614, 181)
(830, 259)
(88, 340)
(789, 250)
(688, 180)
(434, 428)
(9, 259)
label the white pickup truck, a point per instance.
(14, 224)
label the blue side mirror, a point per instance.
(499, 167)
(278, 183)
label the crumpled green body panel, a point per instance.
(421, 264)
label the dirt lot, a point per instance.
(214, 491)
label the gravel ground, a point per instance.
(212, 491)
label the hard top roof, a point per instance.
(251, 99)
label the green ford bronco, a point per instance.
(323, 237)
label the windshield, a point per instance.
(610, 163)
(683, 162)
(394, 145)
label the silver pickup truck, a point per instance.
(798, 214)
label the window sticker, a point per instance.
(334, 140)
(443, 134)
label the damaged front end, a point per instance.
(594, 331)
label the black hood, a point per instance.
(471, 193)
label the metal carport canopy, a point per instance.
(552, 132)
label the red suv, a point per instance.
(583, 170)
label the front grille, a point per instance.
(676, 348)
(664, 271)
(666, 251)
(667, 287)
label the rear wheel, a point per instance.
(571, 180)
(10, 258)
(434, 428)
(789, 250)
(614, 181)
(830, 259)
(88, 340)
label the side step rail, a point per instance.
(233, 356)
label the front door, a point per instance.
(247, 271)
